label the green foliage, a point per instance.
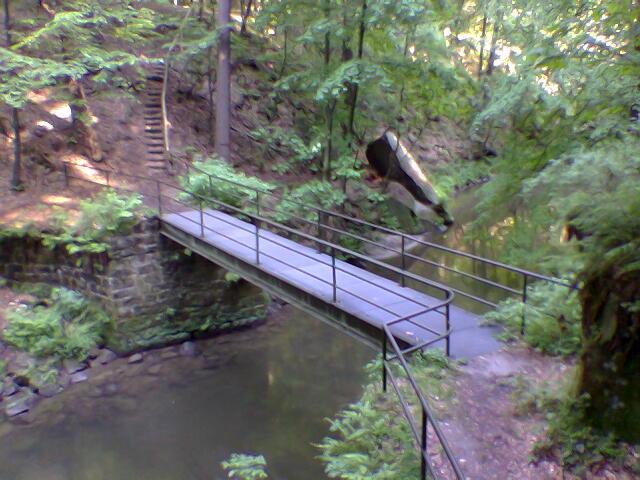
(598, 192)
(569, 439)
(314, 194)
(106, 214)
(552, 315)
(298, 152)
(69, 47)
(68, 327)
(369, 442)
(458, 174)
(371, 439)
(245, 467)
(214, 178)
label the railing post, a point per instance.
(201, 220)
(257, 242)
(258, 203)
(384, 360)
(65, 169)
(210, 186)
(333, 267)
(159, 192)
(524, 304)
(402, 259)
(319, 228)
(448, 326)
(423, 446)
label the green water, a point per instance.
(283, 380)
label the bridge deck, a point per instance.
(365, 295)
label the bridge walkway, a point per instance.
(364, 295)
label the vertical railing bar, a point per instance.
(423, 447)
(257, 242)
(524, 304)
(333, 267)
(384, 360)
(403, 259)
(448, 326)
(201, 220)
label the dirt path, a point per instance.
(490, 438)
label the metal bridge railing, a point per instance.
(173, 204)
(322, 225)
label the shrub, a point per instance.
(245, 467)
(105, 214)
(219, 180)
(68, 328)
(552, 314)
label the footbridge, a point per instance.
(313, 258)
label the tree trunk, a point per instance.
(354, 96)
(482, 41)
(610, 362)
(331, 105)
(492, 50)
(245, 13)
(15, 182)
(223, 89)
(81, 122)
(286, 52)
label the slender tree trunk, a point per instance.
(330, 108)
(482, 42)
(15, 182)
(492, 50)
(223, 90)
(81, 121)
(354, 98)
(245, 13)
(210, 90)
(286, 52)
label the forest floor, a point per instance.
(492, 427)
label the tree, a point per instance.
(80, 42)
(223, 90)
(15, 182)
(570, 152)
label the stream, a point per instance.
(271, 394)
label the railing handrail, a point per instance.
(413, 238)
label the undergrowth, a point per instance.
(552, 318)
(105, 214)
(567, 436)
(216, 179)
(65, 326)
(371, 439)
(245, 467)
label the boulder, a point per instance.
(188, 349)
(72, 366)
(393, 162)
(79, 377)
(106, 356)
(135, 358)
(21, 402)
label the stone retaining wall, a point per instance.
(156, 292)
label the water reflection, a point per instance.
(273, 398)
